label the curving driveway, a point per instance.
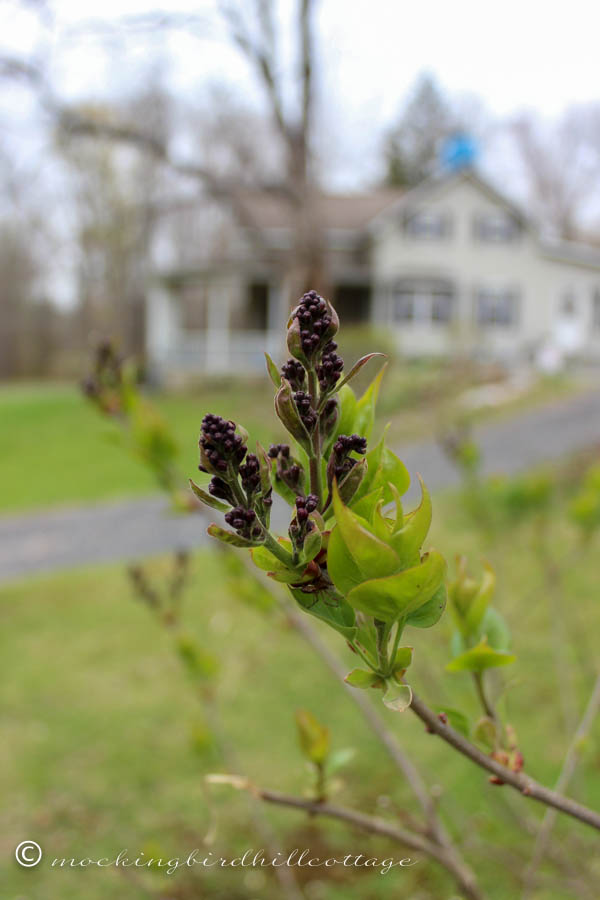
(63, 538)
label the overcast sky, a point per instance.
(513, 55)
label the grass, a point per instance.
(101, 747)
(57, 450)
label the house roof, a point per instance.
(350, 212)
(572, 252)
(444, 181)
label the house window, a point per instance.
(596, 310)
(496, 307)
(427, 224)
(423, 301)
(496, 227)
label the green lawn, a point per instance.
(55, 448)
(100, 745)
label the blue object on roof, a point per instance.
(459, 151)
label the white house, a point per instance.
(449, 265)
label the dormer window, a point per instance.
(496, 227)
(427, 224)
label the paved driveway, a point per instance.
(135, 528)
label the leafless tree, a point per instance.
(561, 164)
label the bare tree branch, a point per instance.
(518, 780)
(369, 824)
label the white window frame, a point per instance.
(487, 227)
(419, 297)
(438, 224)
(496, 296)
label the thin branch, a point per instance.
(380, 827)
(518, 780)
(435, 827)
(566, 773)
(306, 68)
(261, 57)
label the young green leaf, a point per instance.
(486, 732)
(347, 400)
(313, 737)
(365, 407)
(371, 555)
(408, 541)
(273, 371)
(479, 658)
(207, 498)
(480, 602)
(400, 594)
(288, 414)
(229, 537)
(357, 367)
(312, 545)
(456, 719)
(402, 659)
(338, 614)
(431, 612)
(361, 678)
(341, 567)
(397, 696)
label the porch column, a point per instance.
(163, 327)
(217, 354)
(277, 316)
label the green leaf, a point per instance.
(362, 678)
(229, 537)
(208, 499)
(276, 569)
(397, 696)
(486, 732)
(312, 545)
(373, 479)
(400, 594)
(336, 613)
(395, 472)
(479, 658)
(365, 407)
(480, 602)
(273, 371)
(198, 662)
(341, 567)
(339, 758)
(494, 628)
(431, 612)
(265, 469)
(456, 719)
(294, 341)
(313, 737)
(366, 505)
(372, 556)
(285, 408)
(403, 658)
(348, 403)
(358, 366)
(351, 482)
(408, 541)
